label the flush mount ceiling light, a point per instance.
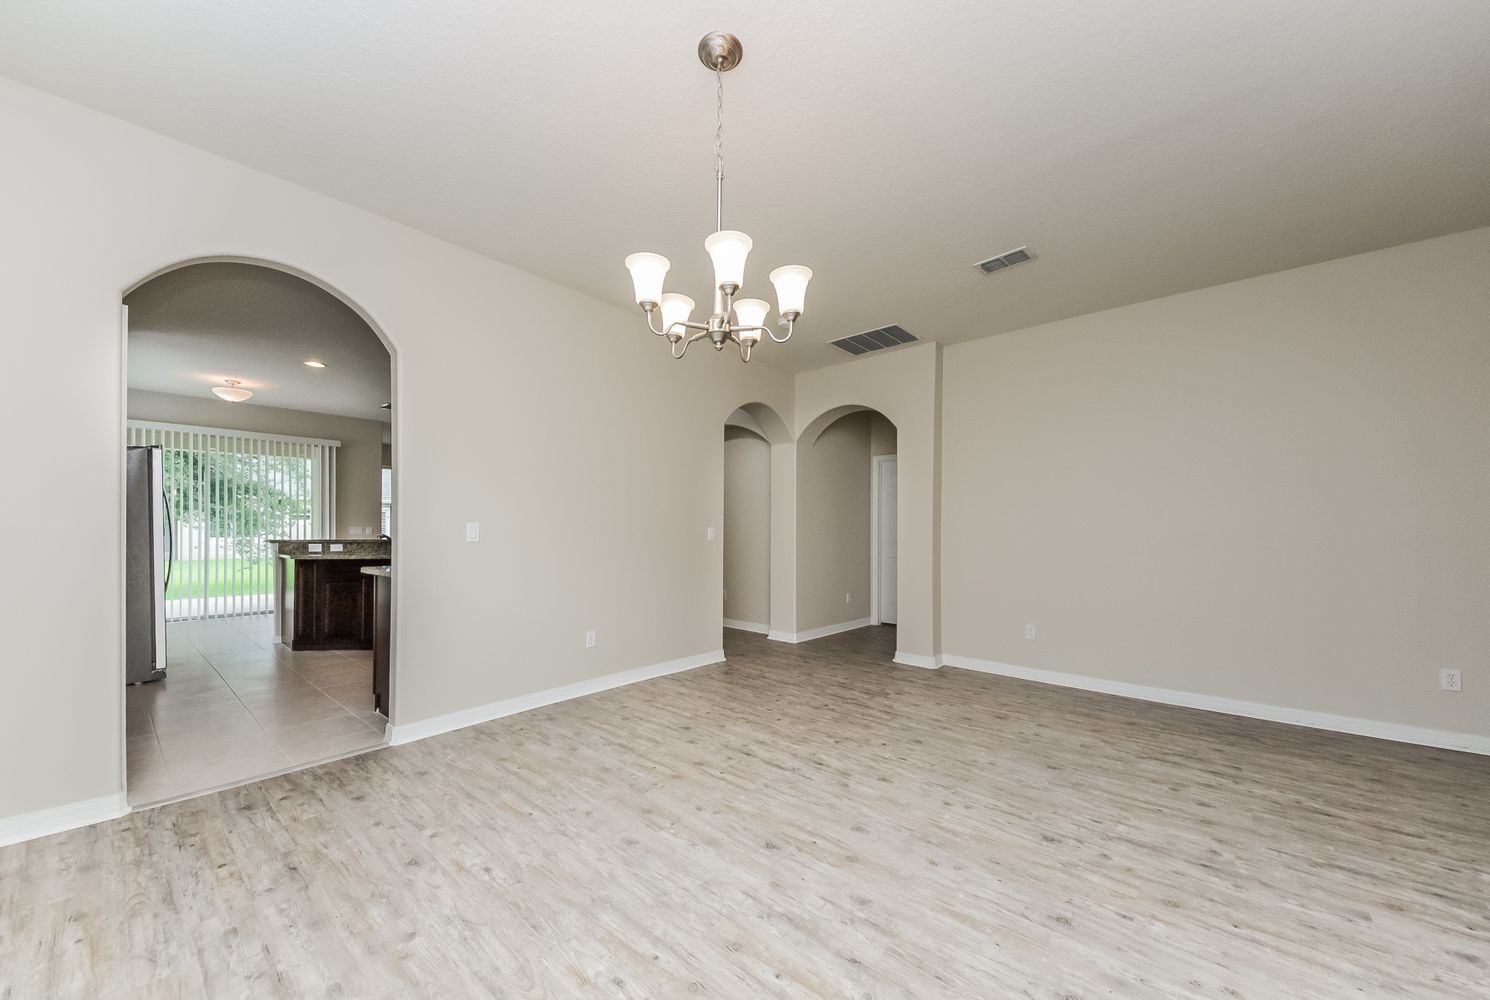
(736, 321)
(231, 392)
(314, 364)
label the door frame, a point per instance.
(876, 470)
(123, 422)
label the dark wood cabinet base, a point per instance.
(382, 641)
(326, 603)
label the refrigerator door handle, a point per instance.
(165, 503)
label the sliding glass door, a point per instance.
(228, 494)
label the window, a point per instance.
(228, 493)
(387, 520)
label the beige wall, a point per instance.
(747, 527)
(833, 525)
(359, 463)
(593, 495)
(881, 435)
(1275, 490)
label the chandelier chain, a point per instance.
(719, 150)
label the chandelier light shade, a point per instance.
(676, 309)
(731, 320)
(728, 249)
(791, 288)
(647, 271)
(230, 392)
(751, 313)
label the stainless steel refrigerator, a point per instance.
(147, 564)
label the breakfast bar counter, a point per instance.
(323, 600)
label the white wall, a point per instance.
(359, 465)
(593, 461)
(747, 527)
(1276, 490)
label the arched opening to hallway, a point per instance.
(258, 497)
(747, 527)
(847, 539)
(752, 434)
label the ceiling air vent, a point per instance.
(1008, 259)
(875, 340)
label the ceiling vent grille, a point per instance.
(875, 340)
(1006, 260)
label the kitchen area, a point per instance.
(258, 515)
(336, 594)
(247, 696)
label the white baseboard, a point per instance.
(45, 822)
(1441, 738)
(818, 633)
(747, 626)
(412, 731)
(918, 660)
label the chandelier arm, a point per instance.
(663, 332)
(678, 352)
(791, 325)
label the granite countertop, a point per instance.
(384, 571)
(350, 548)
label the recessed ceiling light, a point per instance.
(315, 364)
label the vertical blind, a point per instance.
(229, 493)
(386, 521)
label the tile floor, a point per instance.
(236, 705)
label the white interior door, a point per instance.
(885, 531)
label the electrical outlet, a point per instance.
(590, 639)
(1450, 680)
(1029, 631)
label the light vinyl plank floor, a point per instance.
(804, 821)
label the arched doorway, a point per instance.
(756, 444)
(258, 482)
(847, 523)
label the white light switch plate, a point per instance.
(590, 639)
(711, 532)
(473, 531)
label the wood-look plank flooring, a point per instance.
(803, 821)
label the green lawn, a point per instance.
(218, 577)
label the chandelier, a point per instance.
(735, 321)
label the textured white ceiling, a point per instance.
(191, 328)
(1140, 149)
